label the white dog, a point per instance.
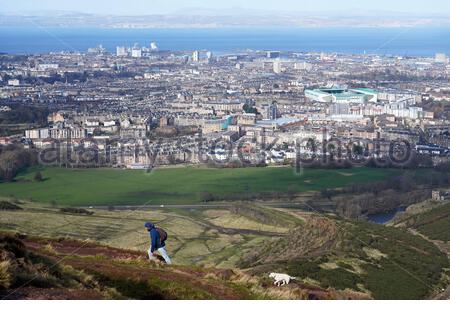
(280, 278)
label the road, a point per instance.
(298, 205)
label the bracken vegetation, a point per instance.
(387, 262)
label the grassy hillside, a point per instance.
(43, 268)
(175, 185)
(385, 262)
(434, 223)
(64, 269)
(202, 237)
(332, 257)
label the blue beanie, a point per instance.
(149, 225)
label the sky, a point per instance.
(145, 7)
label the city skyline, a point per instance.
(225, 150)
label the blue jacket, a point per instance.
(156, 240)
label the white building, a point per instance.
(303, 66)
(342, 96)
(48, 66)
(403, 112)
(277, 66)
(65, 133)
(136, 52)
(441, 58)
(13, 82)
(43, 133)
(110, 123)
(153, 46)
(195, 56)
(270, 111)
(121, 52)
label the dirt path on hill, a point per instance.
(128, 274)
(113, 263)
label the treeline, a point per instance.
(328, 164)
(13, 159)
(8, 206)
(403, 183)
(25, 114)
(414, 162)
(290, 194)
(361, 205)
(79, 211)
(233, 164)
(360, 199)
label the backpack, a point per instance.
(162, 234)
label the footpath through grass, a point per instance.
(81, 187)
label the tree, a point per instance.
(207, 196)
(38, 177)
(291, 192)
(249, 109)
(172, 159)
(13, 159)
(326, 193)
(358, 150)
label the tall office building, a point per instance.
(303, 66)
(153, 46)
(209, 55)
(121, 52)
(273, 54)
(339, 109)
(97, 50)
(273, 111)
(136, 51)
(270, 111)
(277, 66)
(195, 56)
(441, 58)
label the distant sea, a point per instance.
(414, 41)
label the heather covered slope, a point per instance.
(431, 220)
(38, 268)
(384, 262)
(218, 254)
(68, 269)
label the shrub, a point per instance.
(207, 196)
(38, 177)
(5, 205)
(77, 211)
(5, 275)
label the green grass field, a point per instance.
(81, 187)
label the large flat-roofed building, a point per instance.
(43, 133)
(225, 106)
(273, 54)
(340, 95)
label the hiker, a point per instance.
(158, 237)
